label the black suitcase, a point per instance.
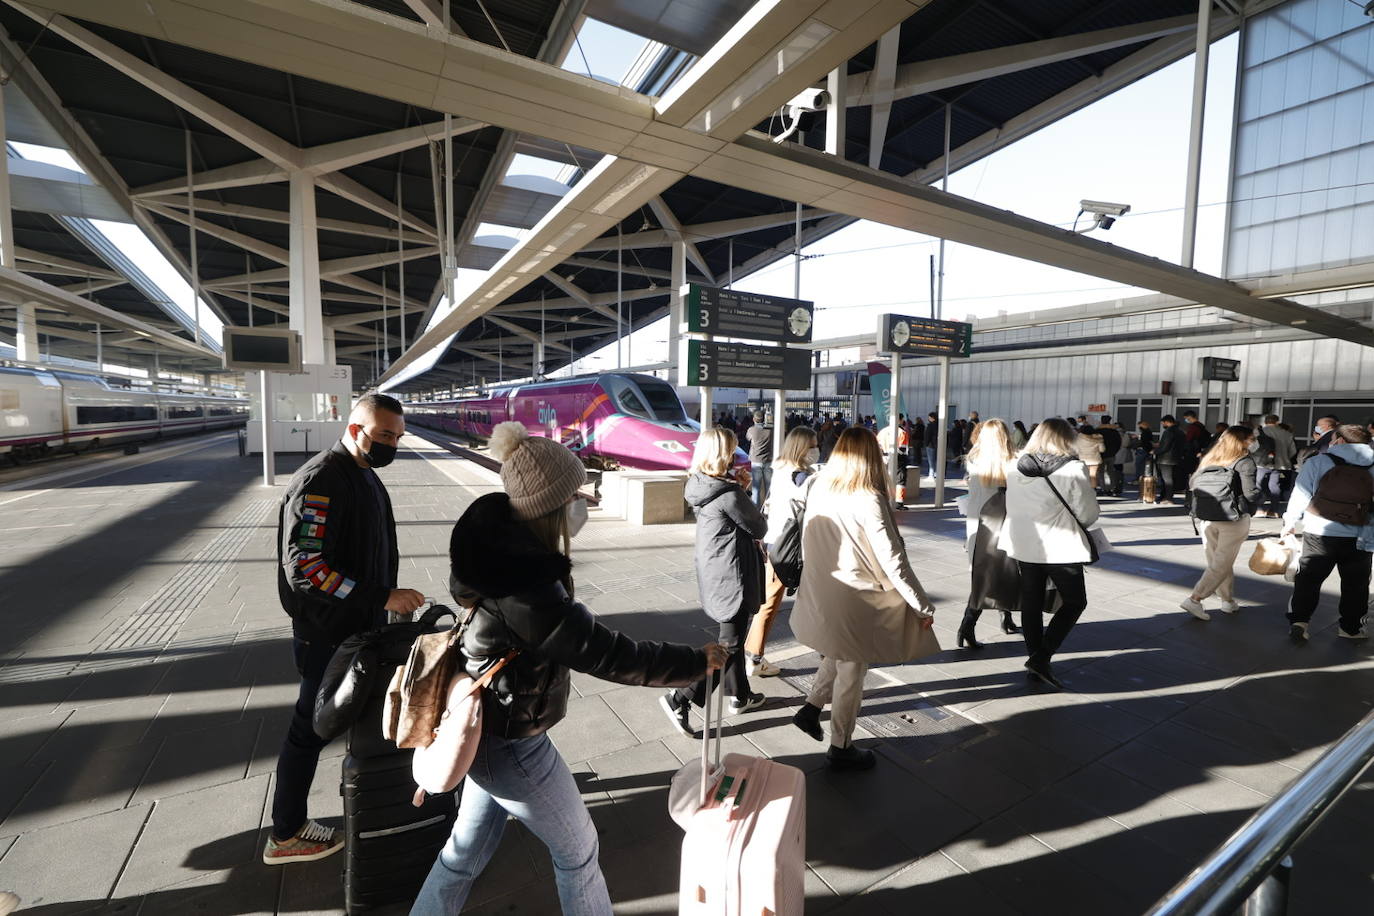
(389, 844)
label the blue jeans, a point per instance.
(525, 778)
(930, 461)
(762, 476)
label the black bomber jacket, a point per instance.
(517, 584)
(326, 528)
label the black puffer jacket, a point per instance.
(728, 560)
(522, 604)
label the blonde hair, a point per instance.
(551, 530)
(797, 447)
(1230, 447)
(991, 451)
(715, 452)
(856, 464)
(1052, 437)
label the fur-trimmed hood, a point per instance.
(494, 555)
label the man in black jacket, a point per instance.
(1111, 445)
(1169, 457)
(930, 439)
(336, 576)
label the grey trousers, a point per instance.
(840, 684)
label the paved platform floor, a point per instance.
(145, 679)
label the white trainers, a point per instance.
(1358, 634)
(311, 843)
(1229, 607)
(1195, 608)
(9, 902)
(762, 667)
(1298, 633)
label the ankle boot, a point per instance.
(808, 719)
(966, 629)
(1008, 624)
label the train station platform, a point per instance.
(146, 679)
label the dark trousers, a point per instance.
(1169, 480)
(1320, 555)
(1274, 488)
(732, 633)
(300, 752)
(1114, 478)
(1041, 641)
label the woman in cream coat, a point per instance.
(1046, 538)
(859, 602)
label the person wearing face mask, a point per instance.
(509, 561)
(337, 567)
(800, 455)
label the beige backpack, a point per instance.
(418, 692)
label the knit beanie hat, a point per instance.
(539, 474)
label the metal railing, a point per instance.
(1251, 868)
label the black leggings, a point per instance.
(1041, 641)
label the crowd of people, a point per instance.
(1031, 510)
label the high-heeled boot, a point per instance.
(1008, 624)
(966, 629)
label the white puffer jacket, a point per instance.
(1038, 529)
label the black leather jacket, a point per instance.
(517, 584)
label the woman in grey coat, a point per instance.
(729, 565)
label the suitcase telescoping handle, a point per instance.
(710, 773)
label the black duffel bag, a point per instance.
(360, 659)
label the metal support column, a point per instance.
(266, 412)
(837, 84)
(1204, 402)
(676, 304)
(893, 400)
(400, 262)
(780, 396)
(26, 333)
(944, 186)
(6, 214)
(941, 436)
(99, 349)
(1190, 195)
(191, 230)
(306, 315)
(1224, 412)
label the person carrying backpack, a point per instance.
(1224, 497)
(1332, 500)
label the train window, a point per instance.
(182, 413)
(118, 414)
(630, 402)
(663, 399)
(221, 411)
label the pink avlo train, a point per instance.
(615, 420)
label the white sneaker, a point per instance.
(1195, 608)
(8, 902)
(1229, 607)
(1298, 633)
(762, 667)
(1358, 634)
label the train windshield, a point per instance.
(648, 398)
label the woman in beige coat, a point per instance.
(859, 602)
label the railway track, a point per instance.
(483, 460)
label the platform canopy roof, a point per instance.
(354, 92)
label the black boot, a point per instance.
(1008, 624)
(966, 629)
(850, 758)
(808, 719)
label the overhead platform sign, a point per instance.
(912, 336)
(752, 316)
(1216, 369)
(710, 363)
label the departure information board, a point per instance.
(1216, 369)
(751, 316)
(912, 336)
(710, 363)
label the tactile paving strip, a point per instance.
(157, 620)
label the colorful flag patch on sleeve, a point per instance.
(344, 588)
(318, 516)
(310, 544)
(316, 502)
(310, 530)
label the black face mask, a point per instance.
(380, 455)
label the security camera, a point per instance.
(1102, 208)
(811, 99)
(1104, 214)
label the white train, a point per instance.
(42, 411)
